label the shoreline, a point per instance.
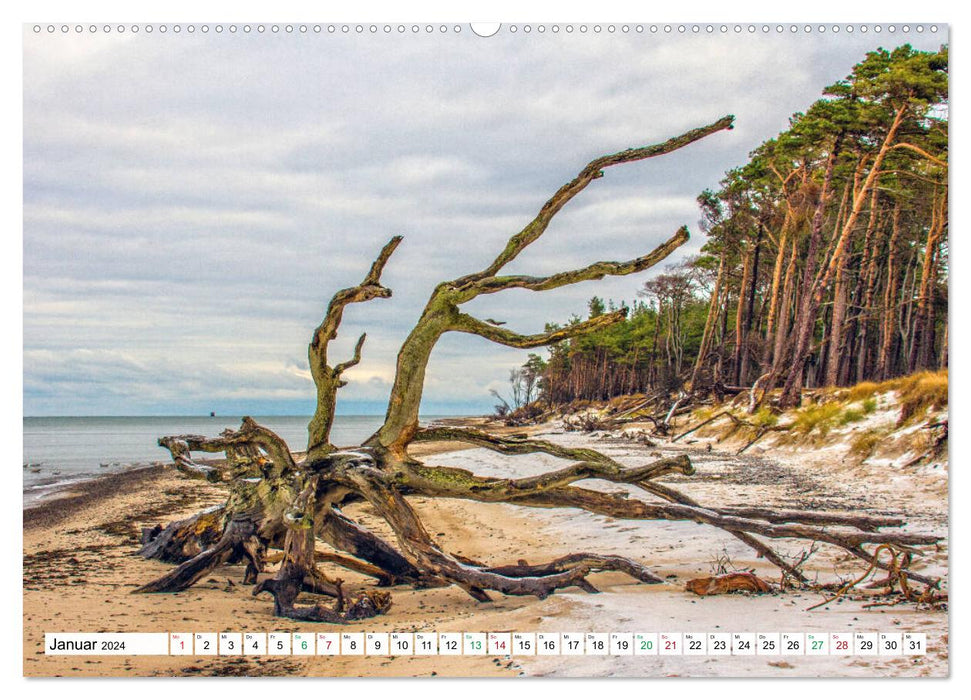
(79, 569)
(37, 494)
(62, 503)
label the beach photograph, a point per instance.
(599, 350)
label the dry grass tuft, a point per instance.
(921, 392)
(816, 418)
(862, 391)
(866, 442)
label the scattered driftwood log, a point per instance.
(760, 430)
(735, 582)
(278, 503)
(658, 409)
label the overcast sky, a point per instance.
(191, 202)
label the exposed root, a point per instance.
(593, 562)
(184, 539)
(418, 546)
(238, 541)
(897, 566)
(361, 606)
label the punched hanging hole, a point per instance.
(485, 29)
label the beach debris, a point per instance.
(898, 576)
(288, 502)
(728, 583)
(150, 533)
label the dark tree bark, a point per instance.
(923, 343)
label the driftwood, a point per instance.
(728, 583)
(702, 424)
(760, 430)
(280, 507)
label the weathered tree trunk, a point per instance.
(891, 307)
(768, 352)
(872, 247)
(836, 335)
(276, 502)
(328, 379)
(750, 293)
(184, 539)
(740, 315)
(905, 325)
(782, 330)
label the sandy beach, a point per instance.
(80, 568)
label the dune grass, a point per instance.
(865, 443)
(850, 415)
(916, 393)
(816, 418)
(764, 417)
(921, 392)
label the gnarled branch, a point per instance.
(596, 271)
(326, 378)
(504, 336)
(249, 434)
(441, 314)
(591, 172)
(418, 546)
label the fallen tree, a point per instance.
(277, 502)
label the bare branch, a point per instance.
(343, 366)
(441, 314)
(250, 433)
(503, 336)
(328, 379)
(588, 459)
(370, 288)
(549, 491)
(595, 562)
(596, 271)
(418, 546)
(591, 172)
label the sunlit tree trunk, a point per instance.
(808, 312)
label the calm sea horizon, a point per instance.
(61, 450)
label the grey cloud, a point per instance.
(191, 203)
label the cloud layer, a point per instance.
(192, 202)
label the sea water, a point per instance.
(59, 451)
